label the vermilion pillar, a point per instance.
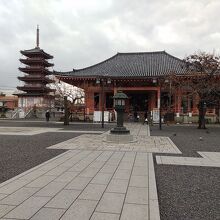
(179, 100)
(89, 99)
(158, 97)
(152, 101)
(90, 102)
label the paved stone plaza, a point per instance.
(208, 159)
(94, 179)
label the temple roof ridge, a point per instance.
(141, 52)
(132, 64)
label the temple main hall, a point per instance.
(138, 75)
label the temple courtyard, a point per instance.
(51, 171)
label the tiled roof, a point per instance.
(36, 50)
(146, 64)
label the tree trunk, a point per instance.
(66, 112)
(202, 112)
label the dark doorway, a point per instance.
(96, 101)
(109, 101)
(138, 101)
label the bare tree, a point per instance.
(201, 80)
(204, 70)
(74, 94)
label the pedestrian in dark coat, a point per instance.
(145, 118)
(47, 115)
(135, 116)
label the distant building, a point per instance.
(9, 102)
(35, 92)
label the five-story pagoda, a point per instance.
(35, 93)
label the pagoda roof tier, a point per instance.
(35, 78)
(36, 51)
(34, 70)
(131, 65)
(34, 94)
(40, 61)
(29, 88)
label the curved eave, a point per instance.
(92, 76)
(27, 88)
(35, 79)
(35, 61)
(34, 70)
(29, 53)
(33, 95)
(89, 77)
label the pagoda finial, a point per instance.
(37, 36)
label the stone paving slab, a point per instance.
(104, 216)
(134, 211)
(25, 130)
(48, 213)
(144, 142)
(208, 159)
(38, 130)
(86, 184)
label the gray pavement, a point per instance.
(58, 125)
(188, 185)
(87, 183)
(93, 179)
(188, 192)
(189, 139)
(23, 143)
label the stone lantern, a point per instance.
(119, 134)
(119, 104)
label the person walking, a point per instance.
(135, 116)
(145, 118)
(47, 115)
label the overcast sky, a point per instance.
(79, 33)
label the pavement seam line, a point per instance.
(49, 183)
(154, 215)
(108, 182)
(89, 181)
(128, 184)
(35, 187)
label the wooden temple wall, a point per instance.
(89, 97)
(153, 101)
(154, 96)
(90, 90)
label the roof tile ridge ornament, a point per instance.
(137, 53)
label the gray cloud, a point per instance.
(81, 33)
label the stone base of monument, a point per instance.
(119, 138)
(119, 135)
(119, 130)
